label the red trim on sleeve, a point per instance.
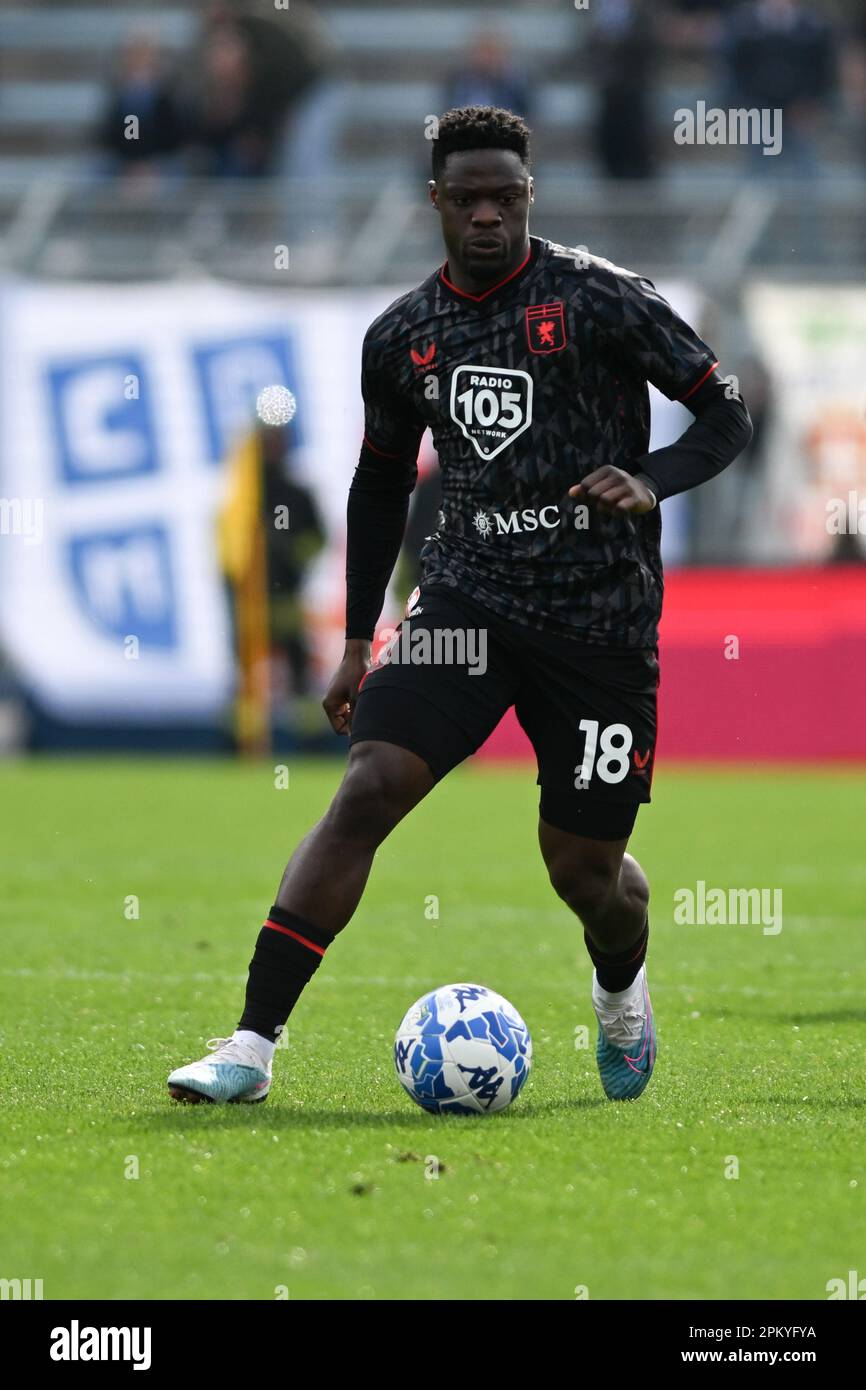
(693, 389)
(380, 452)
(287, 931)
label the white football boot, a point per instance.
(234, 1072)
(627, 1041)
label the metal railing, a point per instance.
(344, 231)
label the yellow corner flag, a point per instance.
(243, 558)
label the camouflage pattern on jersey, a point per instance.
(527, 389)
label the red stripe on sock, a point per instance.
(633, 958)
(642, 943)
(287, 931)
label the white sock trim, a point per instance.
(615, 999)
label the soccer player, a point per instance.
(529, 363)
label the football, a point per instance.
(463, 1048)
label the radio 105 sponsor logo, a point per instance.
(491, 406)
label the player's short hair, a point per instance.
(479, 128)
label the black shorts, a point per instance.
(453, 670)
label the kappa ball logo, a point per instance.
(491, 406)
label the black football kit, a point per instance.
(526, 389)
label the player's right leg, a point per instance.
(320, 889)
(413, 721)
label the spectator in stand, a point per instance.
(489, 77)
(257, 74)
(692, 27)
(231, 125)
(143, 127)
(853, 74)
(623, 50)
(780, 55)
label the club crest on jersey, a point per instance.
(491, 406)
(545, 327)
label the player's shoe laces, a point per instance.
(234, 1072)
(626, 1050)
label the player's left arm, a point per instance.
(653, 339)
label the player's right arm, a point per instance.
(375, 519)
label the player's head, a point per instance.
(482, 189)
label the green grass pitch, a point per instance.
(323, 1193)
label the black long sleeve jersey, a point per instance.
(526, 389)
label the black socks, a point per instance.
(288, 952)
(617, 972)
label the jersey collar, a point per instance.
(507, 285)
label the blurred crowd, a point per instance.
(245, 104)
(259, 95)
(765, 54)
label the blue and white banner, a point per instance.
(118, 408)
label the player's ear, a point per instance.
(532, 190)
(432, 191)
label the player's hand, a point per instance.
(613, 492)
(339, 702)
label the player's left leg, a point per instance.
(608, 891)
(591, 716)
(604, 886)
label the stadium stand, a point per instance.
(60, 216)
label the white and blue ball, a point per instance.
(463, 1048)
